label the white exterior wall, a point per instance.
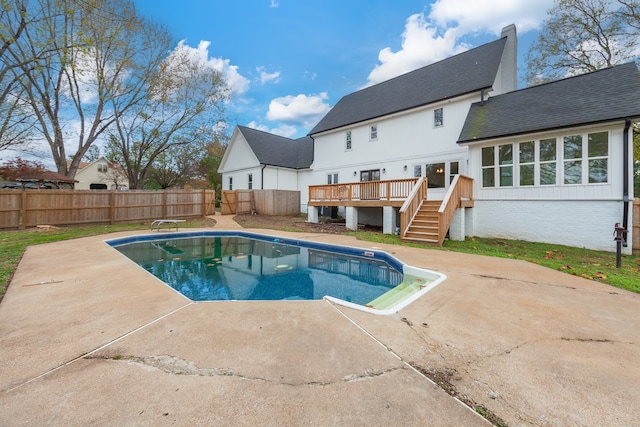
(575, 215)
(587, 224)
(239, 161)
(280, 178)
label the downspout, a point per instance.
(262, 177)
(625, 177)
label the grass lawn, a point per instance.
(14, 243)
(592, 265)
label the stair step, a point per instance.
(420, 235)
(423, 229)
(432, 242)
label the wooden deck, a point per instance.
(362, 194)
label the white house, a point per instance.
(550, 163)
(101, 174)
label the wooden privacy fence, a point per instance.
(29, 208)
(263, 202)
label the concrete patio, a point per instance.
(88, 338)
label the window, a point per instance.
(230, 183)
(527, 157)
(578, 159)
(347, 143)
(332, 178)
(373, 135)
(453, 170)
(102, 167)
(505, 154)
(573, 159)
(488, 167)
(438, 118)
(417, 171)
(250, 186)
(547, 152)
(435, 175)
(370, 175)
(598, 152)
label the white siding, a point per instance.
(403, 139)
(280, 179)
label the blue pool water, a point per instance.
(232, 267)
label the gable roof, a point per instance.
(275, 150)
(458, 75)
(605, 95)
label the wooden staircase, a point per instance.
(425, 225)
(427, 221)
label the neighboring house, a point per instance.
(101, 174)
(550, 163)
(260, 160)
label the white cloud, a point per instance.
(429, 38)
(421, 45)
(472, 16)
(274, 4)
(266, 77)
(238, 84)
(301, 109)
(287, 131)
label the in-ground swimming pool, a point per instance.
(209, 266)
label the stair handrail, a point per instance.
(461, 188)
(412, 204)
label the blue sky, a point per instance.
(289, 61)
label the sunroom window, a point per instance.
(527, 159)
(598, 152)
(548, 161)
(488, 167)
(573, 159)
(505, 153)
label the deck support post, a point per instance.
(389, 219)
(457, 227)
(351, 217)
(312, 214)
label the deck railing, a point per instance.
(396, 189)
(412, 204)
(461, 188)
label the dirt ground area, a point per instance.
(297, 223)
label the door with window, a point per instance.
(370, 190)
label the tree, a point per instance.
(581, 36)
(15, 128)
(13, 169)
(184, 101)
(99, 58)
(174, 167)
(208, 165)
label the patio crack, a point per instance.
(177, 366)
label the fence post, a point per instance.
(204, 202)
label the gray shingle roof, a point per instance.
(605, 95)
(274, 150)
(464, 73)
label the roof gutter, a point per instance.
(625, 180)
